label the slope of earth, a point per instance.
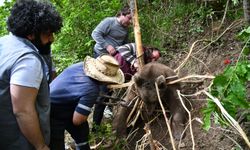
(208, 54)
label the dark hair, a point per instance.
(124, 11)
(148, 50)
(33, 17)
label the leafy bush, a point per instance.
(230, 87)
(80, 18)
(4, 13)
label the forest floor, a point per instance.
(211, 49)
(206, 58)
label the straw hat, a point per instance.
(104, 68)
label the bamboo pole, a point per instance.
(137, 33)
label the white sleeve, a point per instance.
(27, 71)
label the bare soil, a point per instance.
(207, 57)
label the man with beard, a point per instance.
(24, 90)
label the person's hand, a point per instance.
(44, 147)
(111, 50)
(136, 66)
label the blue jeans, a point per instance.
(61, 119)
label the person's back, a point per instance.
(74, 92)
(70, 84)
(127, 58)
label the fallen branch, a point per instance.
(137, 114)
(97, 145)
(132, 112)
(143, 140)
(229, 118)
(224, 16)
(191, 76)
(185, 60)
(189, 116)
(165, 116)
(150, 138)
(118, 86)
(228, 28)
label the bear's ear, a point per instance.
(161, 82)
(138, 80)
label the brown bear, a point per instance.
(144, 87)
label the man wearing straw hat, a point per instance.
(73, 94)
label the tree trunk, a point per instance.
(246, 7)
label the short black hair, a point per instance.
(33, 17)
(124, 11)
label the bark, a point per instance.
(137, 32)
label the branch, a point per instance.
(224, 16)
(229, 118)
(165, 116)
(151, 140)
(189, 116)
(191, 76)
(228, 28)
(185, 60)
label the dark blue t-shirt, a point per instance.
(74, 87)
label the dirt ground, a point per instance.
(206, 58)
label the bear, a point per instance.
(144, 87)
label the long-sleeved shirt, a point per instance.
(128, 52)
(109, 32)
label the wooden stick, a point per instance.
(229, 118)
(185, 60)
(150, 137)
(118, 86)
(189, 116)
(137, 34)
(191, 76)
(165, 116)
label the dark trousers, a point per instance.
(61, 120)
(99, 108)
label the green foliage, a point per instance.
(104, 132)
(200, 17)
(4, 13)
(80, 18)
(235, 2)
(230, 88)
(244, 36)
(158, 20)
